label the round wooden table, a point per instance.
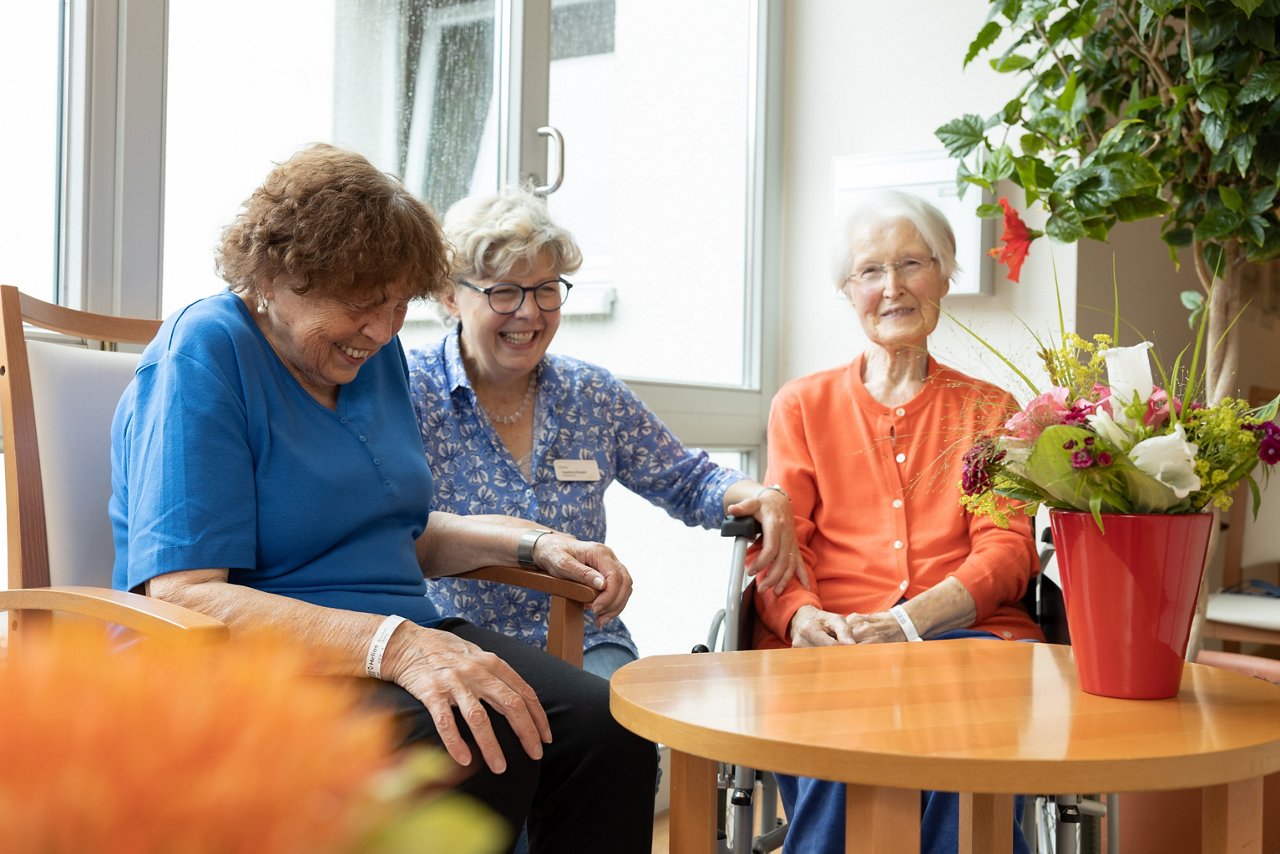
(988, 719)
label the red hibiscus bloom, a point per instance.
(1017, 241)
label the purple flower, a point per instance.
(978, 463)
(1269, 450)
(1103, 458)
(1069, 444)
(1081, 460)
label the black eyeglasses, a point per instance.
(507, 297)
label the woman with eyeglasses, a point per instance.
(509, 428)
(871, 454)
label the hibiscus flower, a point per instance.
(1017, 241)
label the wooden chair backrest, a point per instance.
(57, 401)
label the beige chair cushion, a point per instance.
(1241, 609)
(75, 392)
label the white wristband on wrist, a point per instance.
(908, 627)
(378, 646)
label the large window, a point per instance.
(182, 108)
(30, 102)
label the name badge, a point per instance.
(576, 470)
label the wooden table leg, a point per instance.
(1231, 817)
(986, 823)
(880, 820)
(693, 804)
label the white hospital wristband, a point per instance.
(908, 627)
(378, 646)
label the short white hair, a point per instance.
(885, 207)
(493, 234)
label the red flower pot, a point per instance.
(1130, 593)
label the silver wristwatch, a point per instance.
(529, 539)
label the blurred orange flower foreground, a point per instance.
(164, 748)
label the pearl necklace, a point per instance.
(524, 404)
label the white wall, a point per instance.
(854, 85)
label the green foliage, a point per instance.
(1131, 109)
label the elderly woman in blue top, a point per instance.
(267, 471)
(511, 429)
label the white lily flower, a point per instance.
(1170, 459)
(1128, 374)
(1111, 432)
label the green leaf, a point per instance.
(990, 211)
(1216, 223)
(1261, 201)
(1247, 6)
(999, 165)
(1142, 104)
(1068, 96)
(986, 36)
(1191, 300)
(1134, 208)
(1033, 176)
(1116, 133)
(1214, 129)
(1177, 237)
(1064, 225)
(1231, 199)
(1257, 228)
(1215, 98)
(1012, 62)
(961, 136)
(1241, 149)
(1031, 144)
(1160, 7)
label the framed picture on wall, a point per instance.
(932, 176)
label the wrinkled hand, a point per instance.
(590, 563)
(779, 556)
(814, 627)
(880, 627)
(444, 671)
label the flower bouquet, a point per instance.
(1128, 470)
(1106, 439)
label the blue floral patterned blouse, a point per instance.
(581, 413)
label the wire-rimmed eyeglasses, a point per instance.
(870, 275)
(507, 297)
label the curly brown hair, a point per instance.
(333, 222)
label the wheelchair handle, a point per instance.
(741, 526)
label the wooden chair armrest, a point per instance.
(153, 617)
(532, 579)
(564, 624)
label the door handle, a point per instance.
(558, 139)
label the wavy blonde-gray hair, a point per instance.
(493, 234)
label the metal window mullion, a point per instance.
(114, 157)
(522, 70)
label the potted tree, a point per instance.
(1130, 109)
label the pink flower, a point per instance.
(1158, 408)
(1043, 411)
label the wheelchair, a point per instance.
(739, 789)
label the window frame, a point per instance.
(113, 213)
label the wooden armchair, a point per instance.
(57, 400)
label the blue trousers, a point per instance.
(815, 808)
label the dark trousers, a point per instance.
(593, 788)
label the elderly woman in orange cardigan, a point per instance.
(871, 455)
